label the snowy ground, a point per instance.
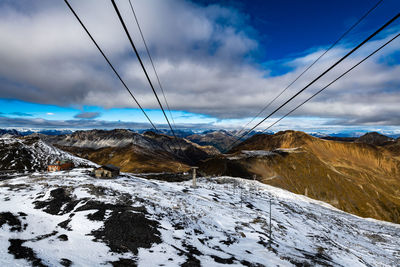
(72, 219)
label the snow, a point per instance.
(223, 218)
(36, 153)
(258, 152)
(263, 153)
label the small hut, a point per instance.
(61, 165)
(106, 171)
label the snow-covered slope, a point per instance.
(68, 218)
(30, 153)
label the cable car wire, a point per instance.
(141, 63)
(312, 64)
(146, 74)
(343, 74)
(152, 64)
(317, 78)
(109, 63)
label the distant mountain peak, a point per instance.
(374, 138)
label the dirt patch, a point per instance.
(230, 260)
(103, 207)
(59, 204)
(318, 258)
(65, 262)
(41, 237)
(124, 263)
(12, 220)
(126, 230)
(229, 241)
(63, 237)
(21, 252)
(16, 187)
(100, 191)
(191, 260)
(249, 264)
(64, 225)
(375, 238)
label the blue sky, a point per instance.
(288, 28)
(220, 62)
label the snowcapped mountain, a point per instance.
(70, 218)
(31, 153)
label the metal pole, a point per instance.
(270, 222)
(241, 196)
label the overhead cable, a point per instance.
(141, 64)
(152, 64)
(312, 64)
(316, 79)
(109, 63)
(343, 74)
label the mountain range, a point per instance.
(360, 176)
(356, 177)
(133, 152)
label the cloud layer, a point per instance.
(205, 57)
(87, 115)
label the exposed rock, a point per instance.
(127, 231)
(60, 202)
(63, 237)
(21, 252)
(11, 220)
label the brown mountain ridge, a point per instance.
(360, 178)
(136, 153)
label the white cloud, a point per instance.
(203, 56)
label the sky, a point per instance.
(220, 63)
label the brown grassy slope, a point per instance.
(394, 148)
(357, 178)
(130, 159)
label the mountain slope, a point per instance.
(218, 139)
(30, 153)
(358, 178)
(394, 148)
(131, 158)
(374, 138)
(75, 219)
(133, 152)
